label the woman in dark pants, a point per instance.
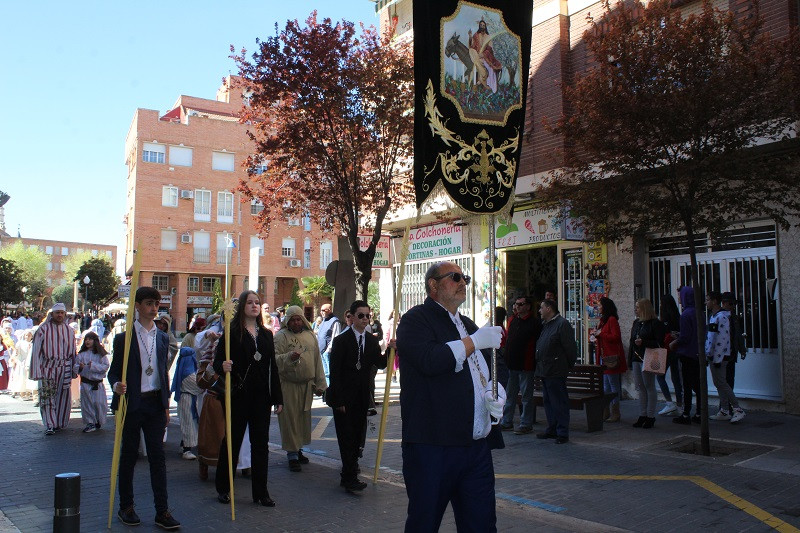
(255, 388)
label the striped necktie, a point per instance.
(360, 351)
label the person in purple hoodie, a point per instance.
(686, 348)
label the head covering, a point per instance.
(59, 307)
(294, 310)
(164, 317)
(198, 323)
(213, 318)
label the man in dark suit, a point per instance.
(352, 356)
(447, 407)
(147, 390)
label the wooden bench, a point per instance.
(585, 388)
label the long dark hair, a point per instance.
(607, 309)
(237, 322)
(97, 347)
(668, 312)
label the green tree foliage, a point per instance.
(315, 288)
(332, 115)
(681, 123)
(374, 297)
(64, 294)
(295, 299)
(217, 300)
(74, 262)
(33, 264)
(11, 283)
(103, 282)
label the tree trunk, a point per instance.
(705, 441)
(362, 266)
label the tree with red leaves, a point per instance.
(680, 122)
(331, 117)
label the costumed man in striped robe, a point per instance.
(52, 358)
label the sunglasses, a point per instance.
(520, 304)
(455, 276)
(363, 315)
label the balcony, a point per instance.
(221, 254)
(202, 255)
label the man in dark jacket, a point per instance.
(353, 354)
(523, 332)
(556, 353)
(686, 348)
(446, 405)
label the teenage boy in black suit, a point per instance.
(147, 390)
(352, 356)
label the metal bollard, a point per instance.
(67, 503)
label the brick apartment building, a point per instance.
(748, 260)
(58, 251)
(183, 170)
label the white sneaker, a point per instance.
(188, 455)
(721, 415)
(89, 428)
(738, 414)
(669, 408)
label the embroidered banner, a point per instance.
(471, 77)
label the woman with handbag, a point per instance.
(647, 332)
(611, 353)
(255, 388)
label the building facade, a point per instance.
(59, 251)
(192, 226)
(753, 258)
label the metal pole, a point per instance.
(67, 503)
(492, 298)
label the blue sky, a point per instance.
(75, 72)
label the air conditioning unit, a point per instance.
(186, 238)
(295, 263)
(188, 195)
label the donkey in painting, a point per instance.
(458, 49)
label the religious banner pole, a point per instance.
(123, 400)
(227, 309)
(493, 295)
(390, 362)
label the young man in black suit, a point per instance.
(352, 356)
(147, 391)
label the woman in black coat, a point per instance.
(647, 332)
(255, 388)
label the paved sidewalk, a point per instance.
(618, 479)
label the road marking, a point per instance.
(749, 508)
(532, 503)
(319, 429)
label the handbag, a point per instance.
(655, 360)
(610, 361)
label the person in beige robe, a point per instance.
(302, 376)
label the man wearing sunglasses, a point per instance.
(448, 408)
(524, 329)
(352, 355)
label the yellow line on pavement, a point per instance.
(319, 429)
(749, 508)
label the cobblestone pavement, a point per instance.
(618, 479)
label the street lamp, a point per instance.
(86, 282)
(24, 296)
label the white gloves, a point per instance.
(487, 337)
(495, 407)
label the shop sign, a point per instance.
(199, 300)
(431, 242)
(573, 230)
(528, 226)
(383, 256)
(124, 291)
(166, 300)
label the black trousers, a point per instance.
(350, 425)
(690, 373)
(150, 418)
(255, 412)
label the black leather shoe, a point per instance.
(167, 521)
(223, 497)
(354, 486)
(562, 440)
(696, 419)
(649, 422)
(266, 501)
(640, 422)
(294, 465)
(545, 435)
(683, 419)
(302, 458)
(128, 517)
